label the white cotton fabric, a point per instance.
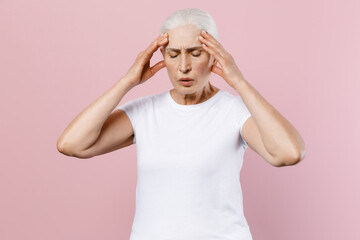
(189, 159)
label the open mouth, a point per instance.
(186, 81)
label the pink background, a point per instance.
(57, 57)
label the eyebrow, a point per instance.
(188, 49)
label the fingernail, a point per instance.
(203, 31)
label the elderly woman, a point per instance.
(190, 139)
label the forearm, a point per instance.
(280, 138)
(84, 130)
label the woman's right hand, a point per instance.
(141, 71)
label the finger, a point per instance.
(207, 36)
(154, 69)
(212, 45)
(161, 40)
(210, 38)
(151, 71)
(216, 54)
(149, 51)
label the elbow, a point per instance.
(69, 151)
(60, 147)
(64, 149)
(290, 159)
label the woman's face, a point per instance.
(185, 58)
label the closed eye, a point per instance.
(197, 55)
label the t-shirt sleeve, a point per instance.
(242, 114)
(131, 108)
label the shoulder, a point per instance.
(237, 107)
(146, 100)
(238, 101)
(230, 98)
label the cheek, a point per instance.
(170, 66)
(169, 63)
(201, 66)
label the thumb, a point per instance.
(217, 70)
(154, 69)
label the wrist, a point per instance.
(128, 82)
(239, 84)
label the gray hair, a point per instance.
(197, 17)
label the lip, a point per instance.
(186, 83)
(186, 79)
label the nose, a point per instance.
(185, 64)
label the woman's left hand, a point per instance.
(229, 70)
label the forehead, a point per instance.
(184, 37)
(187, 49)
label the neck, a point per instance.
(196, 97)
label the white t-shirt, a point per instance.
(189, 159)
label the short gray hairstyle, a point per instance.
(194, 16)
